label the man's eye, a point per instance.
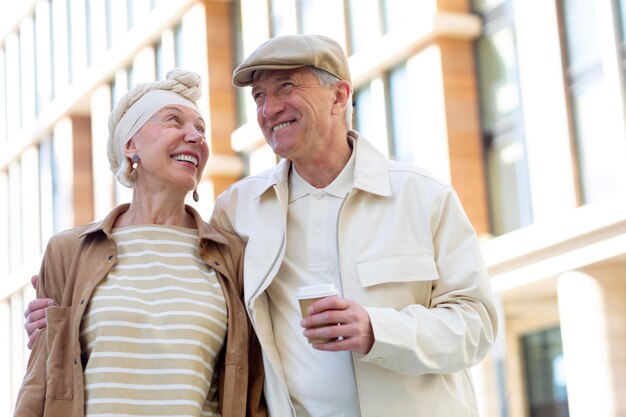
(258, 98)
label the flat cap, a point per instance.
(294, 51)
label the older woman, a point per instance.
(149, 318)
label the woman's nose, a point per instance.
(193, 135)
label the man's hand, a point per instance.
(333, 317)
(35, 314)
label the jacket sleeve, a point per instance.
(32, 394)
(458, 327)
(219, 217)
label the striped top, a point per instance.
(153, 328)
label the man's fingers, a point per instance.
(31, 339)
(33, 281)
(33, 326)
(36, 305)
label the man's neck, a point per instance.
(322, 172)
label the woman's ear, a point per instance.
(130, 148)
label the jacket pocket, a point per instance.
(59, 365)
(400, 266)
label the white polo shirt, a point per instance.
(321, 384)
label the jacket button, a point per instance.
(82, 302)
(110, 257)
(242, 370)
(75, 361)
(217, 263)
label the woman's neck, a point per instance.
(155, 209)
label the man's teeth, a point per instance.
(187, 158)
(281, 126)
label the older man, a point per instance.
(415, 310)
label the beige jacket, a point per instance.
(74, 263)
(409, 255)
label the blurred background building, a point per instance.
(520, 104)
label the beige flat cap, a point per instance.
(294, 51)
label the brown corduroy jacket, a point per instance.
(74, 263)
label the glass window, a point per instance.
(282, 17)
(501, 119)
(363, 111)
(137, 10)
(370, 114)
(46, 191)
(398, 13)
(622, 9)
(60, 46)
(4, 224)
(43, 58)
(13, 81)
(3, 100)
(365, 22)
(323, 17)
(117, 21)
(400, 116)
(27, 69)
(587, 93)
(179, 44)
(15, 215)
(545, 379)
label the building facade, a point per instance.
(520, 104)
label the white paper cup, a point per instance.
(310, 294)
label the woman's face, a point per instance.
(172, 149)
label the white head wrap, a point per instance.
(138, 105)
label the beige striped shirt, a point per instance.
(153, 328)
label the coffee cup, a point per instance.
(310, 294)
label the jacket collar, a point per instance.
(370, 169)
(205, 230)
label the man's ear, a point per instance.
(342, 92)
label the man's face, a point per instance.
(294, 112)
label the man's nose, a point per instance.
(272, 106)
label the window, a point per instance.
(364, 25)
(47, 178)
(3, 100)
(370, 114)
(282, 17)
(398, 13)
(323, 17)
(400, 116)
(545, 379)
(4, 224)
(27, 71)
(43, 59)
(13, 80)
(588, 93)
(501, 119)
